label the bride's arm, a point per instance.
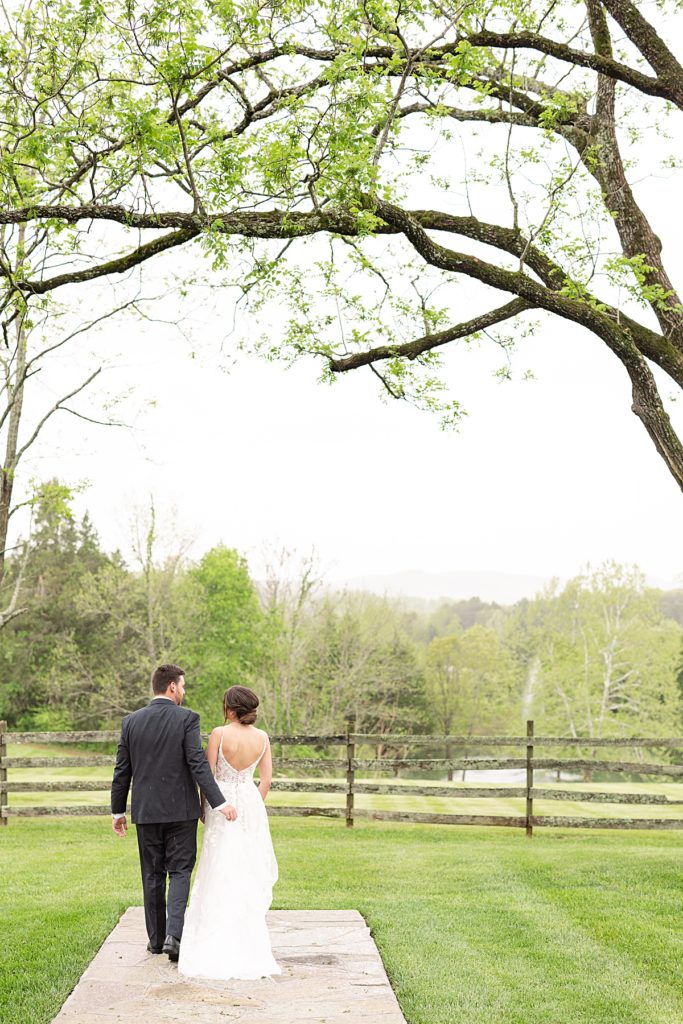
(265, 771)
(212, 749)
(211, 757)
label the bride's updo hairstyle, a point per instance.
(243, 702)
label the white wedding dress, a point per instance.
(225, 933)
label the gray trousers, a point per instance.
(168, 850)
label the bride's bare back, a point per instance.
(241, 744)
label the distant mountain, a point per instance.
(501, 587)
(504, 588)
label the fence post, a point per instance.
(350, 770)
(3, 775)
(529, 778)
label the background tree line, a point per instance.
(599, 656)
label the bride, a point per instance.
(225, 934)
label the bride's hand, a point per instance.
(229, 812)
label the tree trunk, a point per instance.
(16, 398)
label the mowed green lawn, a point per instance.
(476, 926)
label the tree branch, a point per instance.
(668, 90)
(527, 40)
(116, 266)
(638, 240)
(55, 408)
(413, 349)
(647, 40)
(276, 224)
(647, 403)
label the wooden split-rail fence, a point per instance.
(351, 786)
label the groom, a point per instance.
(160, 750)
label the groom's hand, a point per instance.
(120, 826)
(229, 812)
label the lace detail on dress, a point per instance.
(233, 782)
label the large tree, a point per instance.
(225, 638)
(357, 660)
(471, 684)
(132, 128)
(601, 657)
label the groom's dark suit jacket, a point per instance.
(160, 751)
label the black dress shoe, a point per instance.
(172, 947)
(153, 949)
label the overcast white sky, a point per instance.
(542, 477)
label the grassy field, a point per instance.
(476, 926)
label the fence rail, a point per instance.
(350, 787)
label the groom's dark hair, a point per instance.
(164, 676)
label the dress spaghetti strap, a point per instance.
(265, 746)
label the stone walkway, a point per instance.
(331, 974)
